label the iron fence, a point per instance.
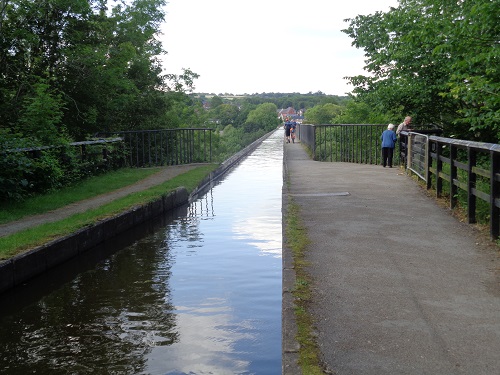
(166, 146)
(355, 143)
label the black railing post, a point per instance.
(428, 166)
(439, 168)
(210, 133)
(313, 133)
(167, 143)
(471, 185)
(453, 177)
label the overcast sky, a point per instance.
(247, 47)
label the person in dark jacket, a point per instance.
(287, 126)
(389, 139)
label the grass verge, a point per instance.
(297, 241)
(88, 188)
(30, 238)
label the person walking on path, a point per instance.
(288, 127)
(292, 131)
(389, 139)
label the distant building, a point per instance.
(291, 114)
(286, 113)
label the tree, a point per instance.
(323, 114)
(433, 59)
(265, 117)
(215, 101)
(226, 114)
(474, 50)
(102, 60)
(41, 116)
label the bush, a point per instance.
(14, 168)
(27, 171)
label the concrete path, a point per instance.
(400, 286)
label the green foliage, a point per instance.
(85, 66)
(47, 173)
(26, 171)
(231, 140)
(14, 167)
(226, 114)
(216, 101)
(323, 114)
(71, 68)
(357, 112)
(281, 100)
(435, 60)
(41, 116)
(265, 117)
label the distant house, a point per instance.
(287, 113)
(291, 114)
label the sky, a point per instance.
(247, 47)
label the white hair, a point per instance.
(390, 126)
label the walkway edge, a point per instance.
(290, 346)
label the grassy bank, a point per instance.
(89, 188)
(297, 241)
(27, 239)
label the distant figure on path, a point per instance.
(287, 126)
(389, 139)
(292, 131)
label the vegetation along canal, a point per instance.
(195, 293)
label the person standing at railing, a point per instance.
(389, 139)
(404, 126)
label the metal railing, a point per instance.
(453, 166)
(472, 168)
(166, 146)
(355, 143)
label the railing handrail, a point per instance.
(149, 131)
(466, 144)
(156, 147)
(80, 143)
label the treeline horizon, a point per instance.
(72, 68)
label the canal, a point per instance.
(195, 292)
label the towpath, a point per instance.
(81, 206)
(400, 285)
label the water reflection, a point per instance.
(107, 318)
(201, 294)
(229, 274)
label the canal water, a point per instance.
(195, 292)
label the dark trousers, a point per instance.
(387, 153)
